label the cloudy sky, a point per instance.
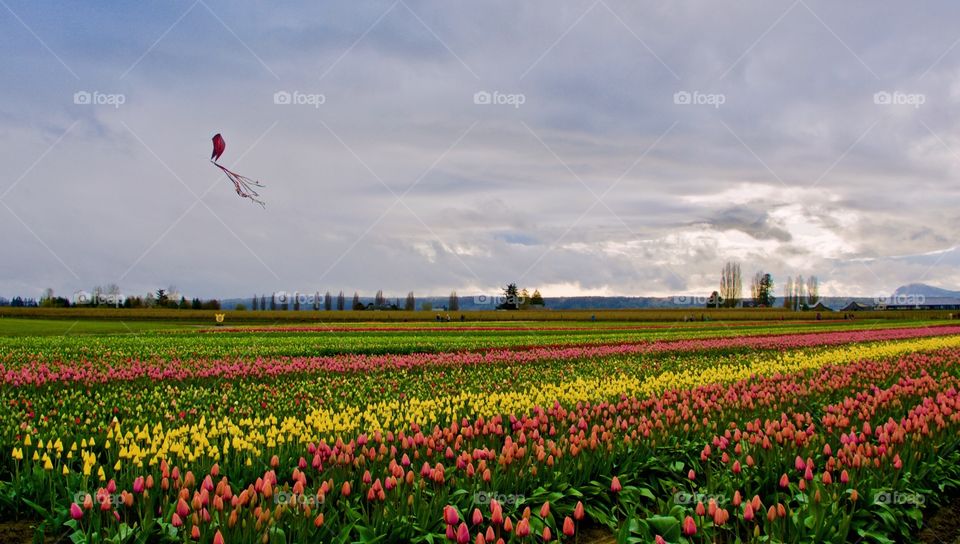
(583, 147)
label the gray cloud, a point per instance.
(798, 171)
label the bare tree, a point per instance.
(756, 289)
(813, 291)
(327, 301)
(788, 293)
(454, 302)
(731, 284)
(341, 301)
(411, 302)
(799, 292)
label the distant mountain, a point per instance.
(927, 291)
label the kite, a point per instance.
(244, 185)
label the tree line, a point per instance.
(799, 293)
(110, 296)
(329, 302)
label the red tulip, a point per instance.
(615, 485)
(689, 526)
(523, 528)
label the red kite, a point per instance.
(244, 185)
(219, 144)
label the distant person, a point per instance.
(463, 318)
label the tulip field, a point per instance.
(483, 433)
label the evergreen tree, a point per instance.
(767, 298)
(537, 299)
(511, 298)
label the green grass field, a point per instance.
(12, 326)
(167, 319)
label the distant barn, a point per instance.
(856, 307)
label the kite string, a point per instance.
(243, 185)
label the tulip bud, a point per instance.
(523, 528)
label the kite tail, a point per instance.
(243, 185)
